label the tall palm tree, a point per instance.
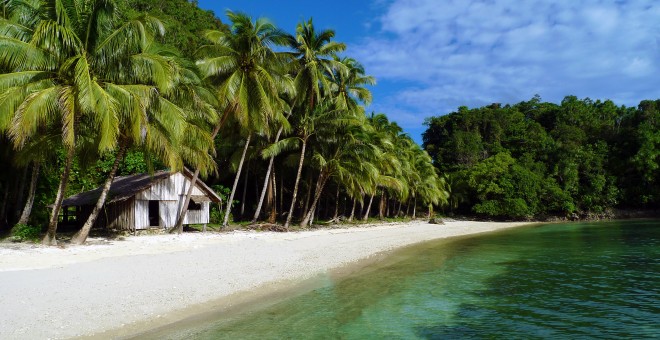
(383, 135)
(249, 76)
(285, 128)
(344, 152)
(64, 71)
(314, 54)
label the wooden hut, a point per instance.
(143, 201)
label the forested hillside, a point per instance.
(536, 159)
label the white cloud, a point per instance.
(477, 52)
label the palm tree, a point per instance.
(200, 106)
(249, 76)
(271, 161)
(306, 128)
(348, 83)
(314, 54)
(39, 151)
(383, 136)
(63, 72)
(344, 152)
(163, 124)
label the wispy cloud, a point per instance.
(451, 53)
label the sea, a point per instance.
(597, 280)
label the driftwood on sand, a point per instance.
(267, 227)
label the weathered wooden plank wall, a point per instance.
(170, 192)
(168, 213)
(141, 214)
(198, 216)
(119, 215)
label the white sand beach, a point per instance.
(123, 286)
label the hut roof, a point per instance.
(125, 187)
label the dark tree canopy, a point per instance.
(185, 21)
(537, 158)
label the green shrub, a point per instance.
(26, 232)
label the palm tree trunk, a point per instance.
(297, 182)
(317, 194)
(21, 192)
(81, 236)
(408, 208)
(350, 219)
(270, 167)
(366, 214)
(273, 199)
(178, 227)
(387, 203)
(245, 184)
(49, 238)
(238, 175)
(263, 190)
(381, 206)
(27, 209)
(336, 205)
(414, 207)
(308, 197)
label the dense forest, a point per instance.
(274, 121)
(535, 159)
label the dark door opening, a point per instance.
(153, 213)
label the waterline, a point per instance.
(563, 280)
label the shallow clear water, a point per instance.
(589, 280)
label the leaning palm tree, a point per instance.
(313, 54)
(344, 151)
(63, 72)
(285, 128)
(199, 105)
(158, 119)
(386, 137)
(39, 151)
(249, 77)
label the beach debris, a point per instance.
(267, 227)
(436, 220)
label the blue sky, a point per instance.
(431, 56)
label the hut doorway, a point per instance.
(154, 213)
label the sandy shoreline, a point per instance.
(85, 290)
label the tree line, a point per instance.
(538, 159)
(93, 89)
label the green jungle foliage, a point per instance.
(274, 121)
(536, 159)
(184, 21)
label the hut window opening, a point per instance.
(194, 205)
(68, 215)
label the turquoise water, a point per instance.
(590, 280)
